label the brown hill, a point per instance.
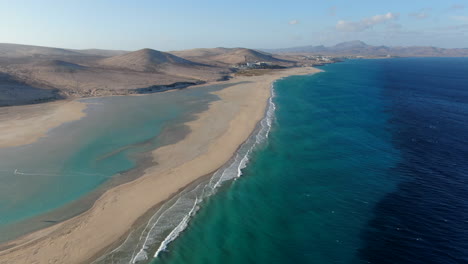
(15, 92)
(8, 50)
(204, 52)
(58, 66)
(228, 56)
(101, 52)
(237, 56)
(17, 50)
(147, 60)
(34, 74)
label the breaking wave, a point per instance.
(173, 217)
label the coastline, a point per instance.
(215, 135)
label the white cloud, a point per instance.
(366, 23)
(293, 22)
(421, 14)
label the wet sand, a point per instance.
(21, 125)
(215, 135)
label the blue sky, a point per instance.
(182, 24)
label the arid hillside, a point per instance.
(230, 57)
(30, 74)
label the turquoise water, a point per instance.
(365, 163)
(91, 154)
(311, 187)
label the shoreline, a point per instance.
(26, 124)
(43, 117)
(209, 183)
(75, 239)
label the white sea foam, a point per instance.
(173, 217)
(176, 231)
(160, 223)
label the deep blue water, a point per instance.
(365, 163)
(426, 219)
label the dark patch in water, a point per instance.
(426, 219)
(163, 88)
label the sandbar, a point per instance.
(214, 137)
(21, 125)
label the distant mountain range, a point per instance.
(359, 48)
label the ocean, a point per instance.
(362, 163)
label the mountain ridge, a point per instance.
(360, 48)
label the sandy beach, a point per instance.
(21, 125)
(215, 135)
